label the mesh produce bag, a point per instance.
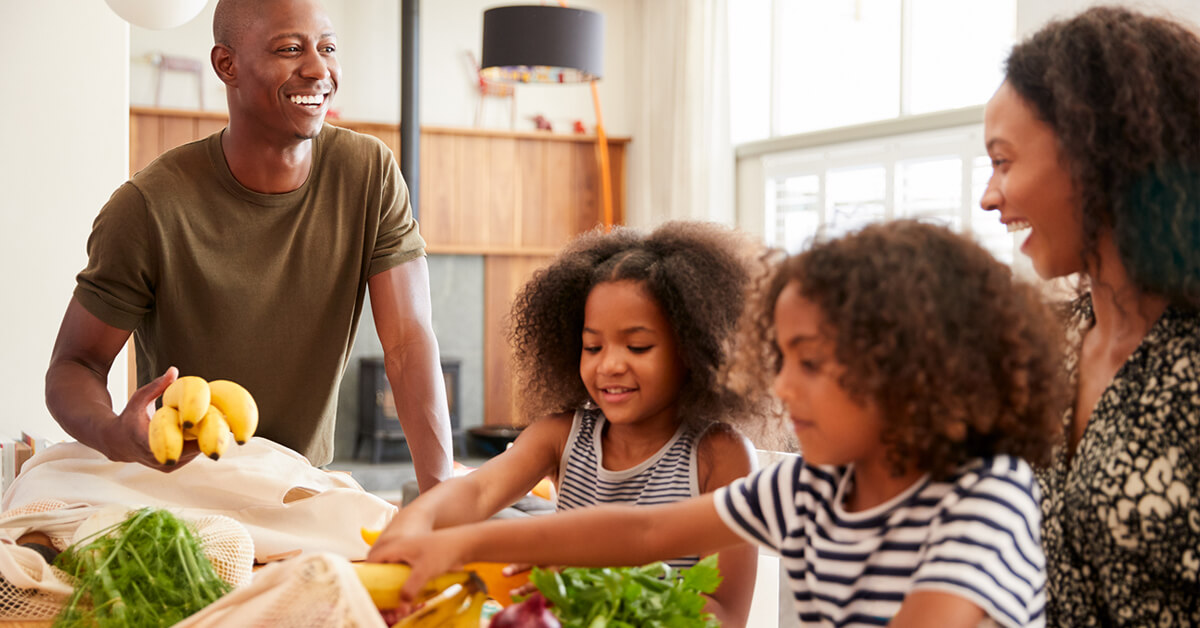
(32, 589)
(317, 590)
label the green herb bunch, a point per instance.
(654, 596)
(149, 570)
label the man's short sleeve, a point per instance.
(117, 286)
(398, 240)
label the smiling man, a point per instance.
(248, 255)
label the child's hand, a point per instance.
(429, 555)
(407, 522)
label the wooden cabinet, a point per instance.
(495, 192)
(514, 198)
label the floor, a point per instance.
(387, 479)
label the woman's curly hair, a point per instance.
(962, 359)
(697, 272)
(1121, 90)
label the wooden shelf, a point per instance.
(528, 135)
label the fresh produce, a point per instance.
(495, 582)
(530, 613)
(166, 439)
(238, 406)
(191, 396)
(653, 595)
(212, 433)
(450, 600)
(206, 412)
(149, 570)
(456, 607)
(369, 535)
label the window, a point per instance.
(855, 111)
(935, 176)
(802, 66)
(835, 63)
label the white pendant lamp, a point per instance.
(157, 14)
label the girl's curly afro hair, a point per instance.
(698, 273)
(962, 359)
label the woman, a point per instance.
(1094, 138)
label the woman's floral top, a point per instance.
(1121, 518)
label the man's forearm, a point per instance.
(77, 397)
(415, 374)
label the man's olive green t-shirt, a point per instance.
(262, 289)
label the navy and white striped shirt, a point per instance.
(976, 535)
(669, 475)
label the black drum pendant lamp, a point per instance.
(542, 44)
(550, 44)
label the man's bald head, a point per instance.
(231, 19)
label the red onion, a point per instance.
(532, 613)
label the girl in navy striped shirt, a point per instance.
(619, 344)
(919, 377)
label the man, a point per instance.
(247, 255)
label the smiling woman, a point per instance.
(1095, 141)
(1030, 186)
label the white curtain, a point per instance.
(681, 162)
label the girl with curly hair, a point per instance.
(919, 377)
(619, 345)
(1095, 143)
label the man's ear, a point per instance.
(223, 64)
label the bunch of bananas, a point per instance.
(206, 412)
(451, 600)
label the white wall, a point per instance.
(64, 120)
(369, 52)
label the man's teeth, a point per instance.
(315, 99)
(1018, 225)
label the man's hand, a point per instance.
(129, 438)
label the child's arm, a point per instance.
(595, 536)
(498, 483)
(726, 455)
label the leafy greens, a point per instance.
(148, 570)
(653, 596)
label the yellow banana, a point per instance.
(166, 438)
(384, 581)
(470, 617)
(238, 406)
(212, 433)
(438, 612)
(190, 395)
(449, 579)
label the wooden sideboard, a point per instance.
(514, 198)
